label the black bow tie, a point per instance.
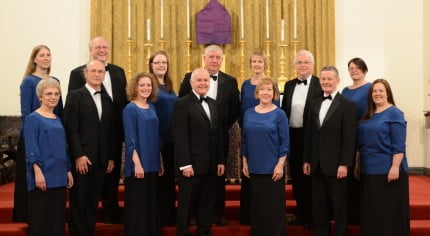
(328, 97)
(305, 82)
(98, 92)
(106, 68)
(214, 77)
(203, 99)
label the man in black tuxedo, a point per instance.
(298, 94)
(330, 134)
(198, 154)
(115, 85)
(88, 121)
(223, 89)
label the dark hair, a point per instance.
(167, 78)
(331, 68)
(132, 85)
(359, 63)
(370, 110)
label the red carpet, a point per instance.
(419, 209)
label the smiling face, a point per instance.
(144, 88)
(257, 64)
(159, 65)
(99, 49)
(303, 65)
(43, 59)
(328, 81)
(200, 81)
(379, 94)
(265, 93)
(50, 97)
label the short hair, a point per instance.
(198, 70)
(90, 44)
(167, 78)
(132, 85)
(47, 83)
(307, 53)
(259, 53)
(213, 47)
(331, 68)
(359, 63)
(370, 109)
(31, 66)
(265, 81)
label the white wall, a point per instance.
(394, 41)
(391, 41)
(62, 25)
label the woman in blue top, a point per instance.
(357, 92)
(166, 99)
(265, 145)
(142, 158)
(38, 69)
(48, 164)
(257, 63)
(382, 166)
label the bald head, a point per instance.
(200, 81)
(94, 74)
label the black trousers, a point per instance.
(20, 196)
(300, 182)
(47, 212)
(198, 193)
(84, 197)
(329, 193)
(110, 188)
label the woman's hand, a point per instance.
(69, 179)
(245, 167)
(278, 172)
(39, 178)
(393, 174)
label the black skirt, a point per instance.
(20, 197)
(141, 206)
(267, 208)
(47, 212)
(384, 206)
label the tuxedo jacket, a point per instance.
(332, 143)
(119, 84)
(314, 92)
(195, 136)
(227, 100)
(86, 133)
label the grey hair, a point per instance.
(47, 83)
(213, 47)
(307, 53)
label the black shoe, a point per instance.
(220, 221)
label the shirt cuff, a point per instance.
(185, 167)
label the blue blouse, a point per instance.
(141, 130)
(359, 97)
(248, 100)
(265, 138)
(46, 145)
(29, 100)
(379, 138)
(164, 108)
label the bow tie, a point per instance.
(328, 97)
(203, 99)
(106, 68)
(305, 82)
(98, 92)
(214, 77)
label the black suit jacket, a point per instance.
(228, 100)
(333, 143)
(196, 138)
(86, 134)
(119, 84)
(314, 91)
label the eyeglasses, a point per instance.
(159, 62)
(50, 94)
(302, 62)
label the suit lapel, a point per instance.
(220, 90)
(317, 112)
(289, 92)
(113, 81)
(333, 106)
(197, 104)
(89, 101)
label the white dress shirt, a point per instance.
(107, 83)
(298, 103)
(325, 105)
(97, 98)
(213, 88)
